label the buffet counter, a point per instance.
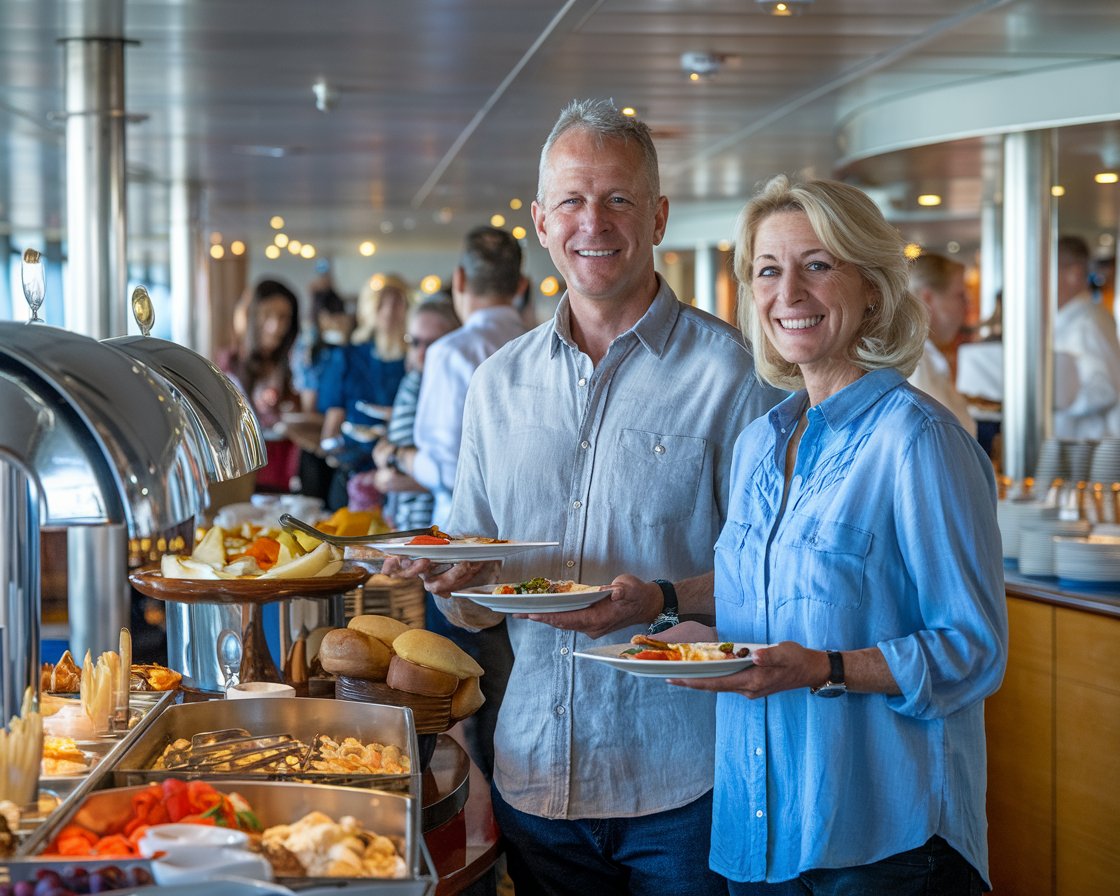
(1054, 744)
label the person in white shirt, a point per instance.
(939, 283)
(483, 287)
(1085, 330)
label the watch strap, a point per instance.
(836, 685)
(670, 609)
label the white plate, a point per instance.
(530, 603)
(457, 552)
(668, 668)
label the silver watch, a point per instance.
(835, 685)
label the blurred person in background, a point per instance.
(261, 365)
(1084, 330)
(324, 333)
(408, 504)
(357, 386)
(939, 283)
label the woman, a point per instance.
(260, 364)
(862, 522)
(364, 378)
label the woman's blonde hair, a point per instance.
(851, 227)
(390, 345)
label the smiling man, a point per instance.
(608, 429)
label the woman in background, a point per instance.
(357, 386)
(261, 365)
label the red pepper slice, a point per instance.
(429, 539)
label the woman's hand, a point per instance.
(781, 667)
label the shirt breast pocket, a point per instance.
(820, 560)
(668, 468)
(730, 547)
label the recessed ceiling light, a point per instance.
(929, 200)
(367, 248)
(785, 7)
(497, 220)
(912, 251)
(1106, 177)
(1057, 191)
(276, 222)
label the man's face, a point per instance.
(597, 218)
(422, 332)
(946, 310)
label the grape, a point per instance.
(50, 884)
(24, 888)
(139, 876)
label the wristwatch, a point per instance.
(670, 611)
(392, 461)
(835, 685)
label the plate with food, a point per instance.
(538, 595)
(458, 548)
(646, 656)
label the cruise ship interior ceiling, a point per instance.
(406, 121)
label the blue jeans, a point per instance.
(933, 869)
(648, 855)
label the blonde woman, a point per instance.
(359, 384)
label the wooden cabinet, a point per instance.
(1054, 755)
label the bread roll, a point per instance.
(426, 648)
(406, 676)
(347, 651)
(384, 628)
(467, 699)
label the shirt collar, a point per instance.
(845, 406)
(652, 330)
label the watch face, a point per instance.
(830, 690)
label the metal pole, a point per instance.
(185, 255)
(1028, 298)
(19, 576)
(96, 221)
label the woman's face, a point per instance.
(391, 311)
(274, 320)
(811, 304)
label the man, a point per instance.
(939, 282)
(609, 429)
(1087, 332)
(483, 287)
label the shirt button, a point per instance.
(583, 381)
(570, 564)
(757, 814)
(658, 448)
(758, 751)
(563, 651)
(585, 444)
(560, 710)
(577, 504)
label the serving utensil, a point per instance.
(287, 521)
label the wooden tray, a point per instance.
(150, 582)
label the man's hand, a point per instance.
(632, 602)
(440, 578)
(381, 452)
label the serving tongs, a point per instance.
(287, 521)
(235, 750)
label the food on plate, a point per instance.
(541, 585)
(348, 651)
(436, 537)
(62, 757)
(273, 555)
(647, 648)
(64, 677)
(384, 628)
(319, 846)
(434, 651)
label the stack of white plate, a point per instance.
(1012, 514)
(1106, 462)
(1051, 464)
(1036, 543)
(1090, 562)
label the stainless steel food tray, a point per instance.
(302, 717)
(394, 815)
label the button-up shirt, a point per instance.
(448, 367)
(888, 538)
(626, 465)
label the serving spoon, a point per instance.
(287, 521)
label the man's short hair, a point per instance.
(491, 261)
(932, 271)
(1073, 250)
(603, 118)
